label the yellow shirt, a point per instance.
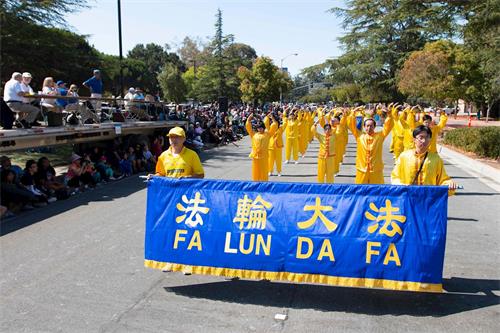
(260, 141)
(408, 126)
(369, 147)
(185, 164)
(292, 128)
(435, 132)
(275, 141)
(326, 144)
(432, 172)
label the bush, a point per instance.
(483, 141)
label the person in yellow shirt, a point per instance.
(369, 164)
(260, 147)
(408, 123)
(436, 129)
(292, 136)
(326, 154)
(178, 161)
(420, 166)
(275, 146)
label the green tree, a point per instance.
(382, 34)
(262, 83)
(48, 13)
(154, 58)
(482, 40)
(172, 84)
(45, 51)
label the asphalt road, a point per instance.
(77, 266)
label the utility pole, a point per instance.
(120, 46)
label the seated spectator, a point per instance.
(140, 161)
(13, 97)
(132, 159)
(45, 178)
(126, 166)
(28, 181)
(62, 91)
(78, 174)
(90, 168)
(49, 88)
(132, 104)
(14, 196)
(149, 159)
(105, 169)
(193, 139)
(157, 147)
(6, 164)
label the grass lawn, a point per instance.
(58, 156)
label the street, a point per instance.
(77, 266)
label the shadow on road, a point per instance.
(107, 192)
(476, 193)
(461, 295)
(464, 219)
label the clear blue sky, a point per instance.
(274, 28)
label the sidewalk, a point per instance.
(488, 175)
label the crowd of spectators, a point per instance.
(38, 184)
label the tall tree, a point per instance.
(382, 34)
(262, 83)
(172, 84)
(154, 57)
(48, 13)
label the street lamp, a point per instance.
(281, 69)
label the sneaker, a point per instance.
(186, 273)
(286, 162)
(112, 178)
(167, 268)
(296, 162)
(279, 174)
(270, 174)
(51, 199)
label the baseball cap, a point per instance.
(96, 71)
(176, 131)
(26, 74)
(60, 82)
(75, 157)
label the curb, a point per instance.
(485, 173)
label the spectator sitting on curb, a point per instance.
(28, 181)
(126, 166)
(15, 196)
(46, 178)
(77, 173)
(6, 164)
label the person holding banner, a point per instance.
(260, 147)
(369, 164)
(178, 161)
(420, 166)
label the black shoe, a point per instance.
(25, 124)
(36, 123)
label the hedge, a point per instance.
(483, 141)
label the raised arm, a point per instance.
(248, 125)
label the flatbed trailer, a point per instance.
(16, 139)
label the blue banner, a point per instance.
(377, 236)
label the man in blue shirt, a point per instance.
(61, 90)
(95, 86)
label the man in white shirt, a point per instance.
(26, 88)
(13, 96)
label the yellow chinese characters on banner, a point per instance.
(390, 227)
